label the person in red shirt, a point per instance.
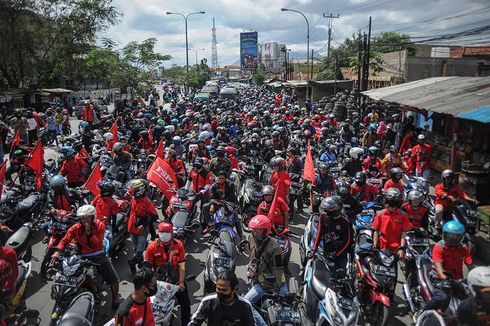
(136, 310)
(281, 213)
(88, 113)
(145, 142)
(200, 180)
(361, 190)
(372, 164)
(417, 212)
(143, 214)
(73, 167)
(177, 165)
(280, 179)
(448, 256)
(447, 194)
(391, 224)
(231, 154)
(60, 197)
(395, 180)
(421, 154)
(88, 235)
(80, 150)
(8, 262)
(169, 255)
(406, 142)
(107, 207)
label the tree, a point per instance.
(198, 75)
(391, 41)
(100, 63)
(259, 75)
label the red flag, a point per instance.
(15, 141)
(309, 170)
(160, 152)
(150, 134)
(273, 207)
(113, 130)
(94, 177)
(163, 176)
(35, 162)
(3, 170)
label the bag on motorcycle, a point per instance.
(253, 265)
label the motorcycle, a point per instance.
(56, 226)
(80, 311)
(295, 192)
(327, 301)
(364, 220)
(281, 235)
(376, 281)
(281, 310)
(15, 210)
(20, 242)
(249, 198)
(181, 211)
(308, 239)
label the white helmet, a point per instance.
(421, 137)
(86, 210)
(108, 136)
(479, 282)
(356, 152)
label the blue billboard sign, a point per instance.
(248, 50)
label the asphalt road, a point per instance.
(38, 291)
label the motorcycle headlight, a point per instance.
(70, 270)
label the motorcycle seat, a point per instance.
(19, 240)
(179, 220)
(21, 276)
(27, 205)
(81, 306)
(320, 279)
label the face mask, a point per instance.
(165, 237)
(259, 236)
(152, 292)
(222, 297)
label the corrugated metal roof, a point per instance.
(481, 115)
(451, 95)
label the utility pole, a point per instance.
(311, 64)
(214, 49)
(329, 24)
(368, 56)
(359, 62)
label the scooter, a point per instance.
(308, 239)
(281, 310)
(181, 211)
(80, 312)
(364, 220)
(249, 198)
(15, 210)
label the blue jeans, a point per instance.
(139, 245)
(424, 174)
(255, 294)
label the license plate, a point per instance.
(159, 309)
(382, 270)
(71, 281)
(368, 212)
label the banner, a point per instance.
(3, 171)
(113, 131)
(36, 161)
(309, 170)
(162, 176)
(92, 180)
(248, 50)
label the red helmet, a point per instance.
(230, 150)
(165, 227)
(280, 162)
(307, 133)
(316, 117)
(260, 222)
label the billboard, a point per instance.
(248, 50)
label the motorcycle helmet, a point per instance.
(415, 198)
(453, 233)
(372, 151)
(107, 188)
(138, 188)
(331, 207)
(67, 151)
(165, 230)
(421, 138)
(77, 145)
(230, 150)
(57, 183)
(261, 227)
(86, 211)
(144, 134)
(356, 152)
(268, 191)
(360, 178)
(393, 197)
(108, 136)
(323, 168)
(84, 124)
(198, 163)
(117, 148)
(396, 174)
(479, 282)
(177, 140)
(354, 141)
(393, 149)
(343, 189)
(220, 151)
(447, 177)
(280, 164)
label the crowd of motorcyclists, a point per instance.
(240, 168)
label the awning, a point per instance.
(481, 115)
(450, 95)
(56, 90)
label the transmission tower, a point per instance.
(214, 50)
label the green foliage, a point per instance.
(198, 74)
(259, 75)
(391, 41)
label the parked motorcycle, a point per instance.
(15, 210)
(80, 311)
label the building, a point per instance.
(273, 56)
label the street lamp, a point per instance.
(307, 39)
(186, 39)
(196, 51)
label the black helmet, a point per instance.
(447, 177)
(360, 178)
(331, 207)
(343, 189)
(107, 188)
(393, 197)
(220, 151)
(198, 162)
(396, 174)
(57, 183)
(144, 133)
(117, 148)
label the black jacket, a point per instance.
(215, 313)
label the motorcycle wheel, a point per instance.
(246, 216)
(46, 262)
(381, 314)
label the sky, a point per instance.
(143, 19)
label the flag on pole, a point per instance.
(35, 161)
(160, 152)
(163, 176)
(3, 171)
(92, 180)
(15, 141)
(113, 131)
(309, 170)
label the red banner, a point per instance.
(113, 130)
(160, 152)
(3, 171)
(309, 170)
(15, 142)
(94, 177)
(36, 161)
(163, 176)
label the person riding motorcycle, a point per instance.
(448, 193)
(265, 269)
(168, 254)
(223, 137)
(448, 256)
(361, 190)
(201, 150)
(351, 206)
(123, 159)
(395, 180)
(330, 155)
(354, 163)
(281, 213)
(200, 180)
(141, 218)
(277, 142)
(390, 225)
(280, 179)
(418, 212)
(372, 164)
(324, 183)
(177, 146)
(393, 159)
(73, 167)
(60, 196)
(88, 234)
(220, 162)
(145, 142)
(421, 155)
(107, 207)
(337, 233)
(177, 165)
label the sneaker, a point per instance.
(416, 315)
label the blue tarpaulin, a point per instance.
(480, 115)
